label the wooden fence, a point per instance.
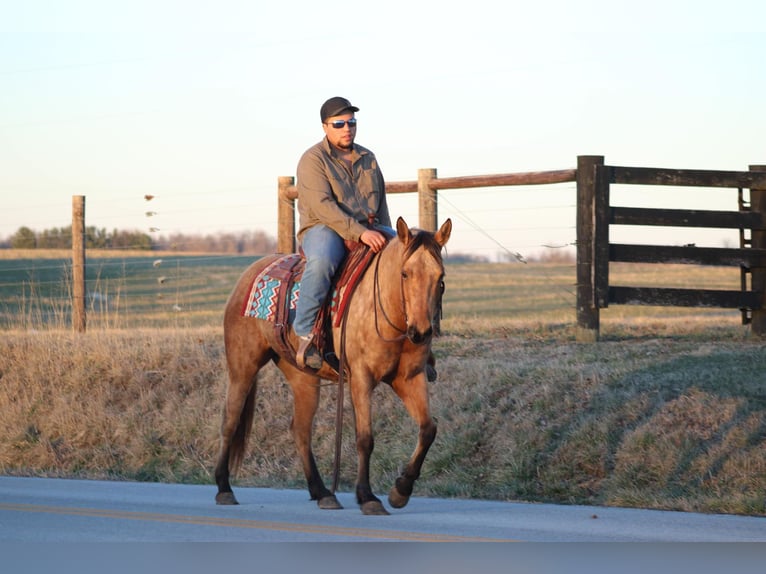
(595, 215)
(426, 187)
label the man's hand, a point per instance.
(374, 239)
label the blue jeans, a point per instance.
(324, 250)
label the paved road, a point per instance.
(56, 510)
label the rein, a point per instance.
(339, 402)
(342, 366)
(341, 385)
(378, 300)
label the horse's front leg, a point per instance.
(361, 392)
(414, 394)
(305, 403)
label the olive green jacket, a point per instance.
(328, 193)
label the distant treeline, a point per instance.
(95, 238)
(245, 242)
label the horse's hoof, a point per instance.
(396, 499)
(374, 508)
(226, 498)
(329, 503)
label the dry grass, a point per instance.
(107, 404)
(667, 411)
(663, 422)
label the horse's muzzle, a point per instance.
(418, 338)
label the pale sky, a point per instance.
(205, 104)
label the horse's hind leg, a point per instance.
(414, 395)
(246, 353)
(305, 389)
(237, 422)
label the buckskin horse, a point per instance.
(386, 336)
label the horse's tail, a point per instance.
(245, 425)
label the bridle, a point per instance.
(378, 302)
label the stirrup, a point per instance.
(307, 354)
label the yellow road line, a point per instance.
(365, 533)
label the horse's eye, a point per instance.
(404, 275)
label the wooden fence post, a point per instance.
(600, 253)
(285, 216)
(78, 263)
(758, 241)
(587, 306)
(427, 200)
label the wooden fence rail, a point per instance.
(426, 187)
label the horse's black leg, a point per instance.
(400, 494)
(305, 403)
(326, 500)
(225, 494)
(414, 395)
(365, 443)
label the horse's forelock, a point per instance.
(425, 240)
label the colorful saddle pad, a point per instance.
(264, 297)
(267, 299)
(275, 290)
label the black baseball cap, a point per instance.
(336, 106)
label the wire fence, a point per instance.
(488, 223)
(184, 284)
(127, 288)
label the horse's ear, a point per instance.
(442, 236)
(403, 231)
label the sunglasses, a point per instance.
(338, 124)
